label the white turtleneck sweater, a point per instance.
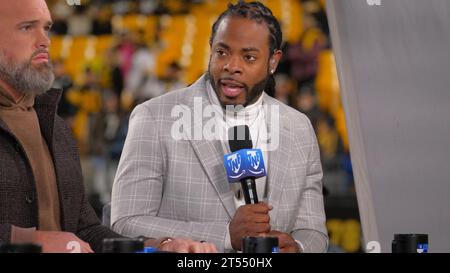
(255, 118)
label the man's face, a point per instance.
(240, 60)
(24, 45)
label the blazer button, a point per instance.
(29, 199)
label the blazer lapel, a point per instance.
(209, 152)
(279, 157)
(210, 155)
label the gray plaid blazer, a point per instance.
(178, 188)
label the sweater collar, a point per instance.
(7, 102)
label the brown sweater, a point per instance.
(21, 119)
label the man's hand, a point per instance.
(185, 245)
(286, 243)
(249, 220)
(60, 242)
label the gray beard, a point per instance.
(25, 78)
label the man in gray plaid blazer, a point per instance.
(172, 183)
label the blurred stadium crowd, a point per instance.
(109, 56)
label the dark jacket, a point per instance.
(18, 204)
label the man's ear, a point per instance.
(274, 60)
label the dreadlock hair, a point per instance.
(261, 14)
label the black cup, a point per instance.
(20, 248)
(260, 244)
(410, 243)
(122, 245)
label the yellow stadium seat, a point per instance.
(294, 22)
(56, 47)
(326, 81)
(274, 6)
(335, 228)
(351, 240)
(103, 43)
(198, 60)
(174, 29)
(328, 92)
(342, 128)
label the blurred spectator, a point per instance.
(121, 7)
(141, 81)
(171, 80)
(63, 81)
(101, 25)
(119, 139)
(59, 26)
(125, 50)
(87, 99)
(60, 12)
(172, 7)
(116, 76)
(284, 89)
(79, 23)
(346, 165)
(161, 9)
(317, 9)
(148, 7)
(328, 138)
(104, 126)
(303, 55)
(172, 77)
(307, 103)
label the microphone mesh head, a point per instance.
(239, 138)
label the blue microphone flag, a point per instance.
(244, 163)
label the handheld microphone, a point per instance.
(244, 164)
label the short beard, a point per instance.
(25, 78)
(251, 95)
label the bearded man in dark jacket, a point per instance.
(42, 198)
